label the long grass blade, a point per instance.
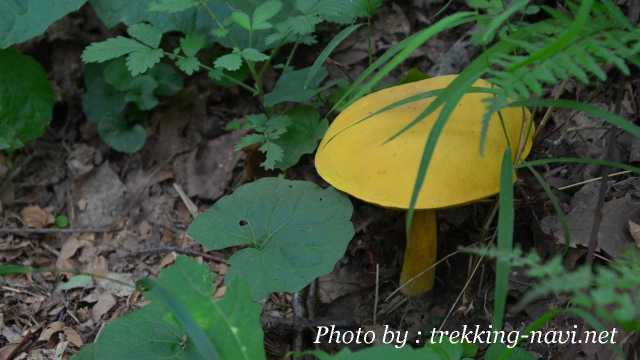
(555, 203)
(590, 109)
(505, 238)
(497, 21)
(585, 161)
(342, 35)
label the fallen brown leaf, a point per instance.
(36, 217)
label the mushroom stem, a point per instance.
(420, 253)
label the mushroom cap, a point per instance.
(359, 162)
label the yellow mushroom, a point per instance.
(357, 161)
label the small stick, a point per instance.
(57, 231)
(214, 257)
(375, 301)
(593, 180)
(193, 209)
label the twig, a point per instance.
(193, 209)
(377, 294)
(588, 181)
(213, 257)
(464, 288)
(58, 231)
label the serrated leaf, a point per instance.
(23, 19)
(192, 43)
(265, 11)
(139, 61)
(291, 86)
(188, 64)
(145, 33)
(172, 6)
(26, 99)
(273, 153)
(231, 62)
(294, 231)
(231, 325)
(301, 136)
(242, 19)
(248, 140)
(254, 55)
(110, 49)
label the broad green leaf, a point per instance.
(192, 43)
(242, 19)
(266, 11)
(23, 19)
(121, 134)
(138, 62)
(180, 296)
(495, 352)
(301, 136)
(113, 12)
(169, 80)
(294, 231)
(110, 49)
(230, 62)
(26, 99)
(172, 6)
(254, 55)
(291, 87)
(145, 33)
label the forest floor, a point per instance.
(128, 213)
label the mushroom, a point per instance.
(356, 159)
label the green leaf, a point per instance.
(138, 62)
(23, 19)
(291, 87)
(146, 34)
(496, 351)
(180, 315)
(110, 49)
(248, 140)
(294, 231)
(77, 281)
(273, 154)
(242, 19)
(254, 55)
(121, 134)
(266, 11)
(26, 99)
(189, 65)
(113, 12)
(172, 6)
(192, 43)
(301, 136)
(168, 79)
(230, 62)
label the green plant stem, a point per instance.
(290, 57)
(209, 68)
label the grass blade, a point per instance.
(586, 161)
(505, 238)
(590, 109)
(556, 205)
(327, 51)
(497, 21)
